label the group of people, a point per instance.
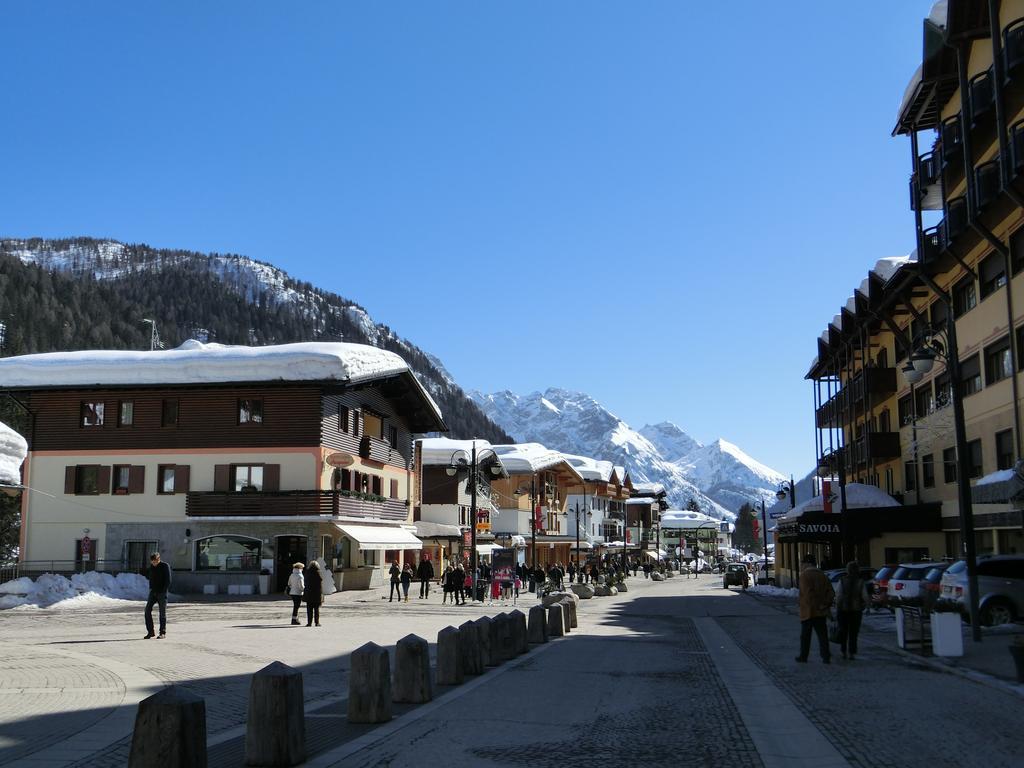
(306, 583)
(817, 597)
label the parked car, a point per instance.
(735, 575)
(763, 577)
(931, 586)
(1000, 587)
(880, 584)
(905, 582)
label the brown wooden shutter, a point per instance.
(70, 473)
(346, 480)
(222, 478)
(137, 480)
(182, 474)
(394, 489)
(271, 477)
(104, 480)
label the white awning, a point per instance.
(380, 537)
(485, 549)
(659, 555)
(583, 545)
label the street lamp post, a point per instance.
(451, 470)
(927, 348)
(696, 546)
(764, 538)
(533, 518)
(587, 513)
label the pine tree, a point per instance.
(743, 538)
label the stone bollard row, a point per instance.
(275, 730)
(369, 685)
(412, 684)
(556, 620)
(170, 731)
(470, 650)
(449, 657)
(520, 636)
(538, 631)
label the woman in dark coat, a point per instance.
(313, 593)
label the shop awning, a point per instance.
(659, 555)
(584, 545)
(428, 530)
(380, 537)
(486, 549)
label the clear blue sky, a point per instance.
(659, 203)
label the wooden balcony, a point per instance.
(876, 446)
(290, 503)
(375, 450)
(880, 383)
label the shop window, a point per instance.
(928, 470)
(997, 361)
(228, 553)
(1004, 450)
(91, 414)
(126, 413)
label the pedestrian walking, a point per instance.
(313, 593)
(851, 600)
(459, 581)
(296, 586)
(636, 566)
(816, 596)
(572, 572)
(447, 587)
(425, 572)
(396, 576)
(406, 579)
(159, 583)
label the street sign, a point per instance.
(86, 549)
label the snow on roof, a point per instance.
(887, 267)
(909, 91)
(685, 518)
(858, 496)
(439, 451)
(654, 488)
(194, 362)
(527, 458)
(13, 450)
(999, 476)
(851, 305)
(939, 13)
(593, 470)
(862, 289)
(837, 322)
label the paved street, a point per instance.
(681, 671)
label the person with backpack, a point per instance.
(851, 600)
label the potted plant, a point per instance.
(264, 582)
(1017, 651)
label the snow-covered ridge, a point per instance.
(720, 477)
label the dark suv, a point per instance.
(735, 574)
(1000, 587)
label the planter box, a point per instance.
(264, 585)
(947, 634)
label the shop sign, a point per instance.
(483, 520)
(538, 520)
(340, 459)
(467, 538)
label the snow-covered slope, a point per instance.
(719, 477)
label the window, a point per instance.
(991, 275)
(393, 436)
(135, 555)
(1017, 250)
(394, 489)
(906, 410)
(923, 401)
(126, 413)
(970, 376)
(228, 553)
(909, 476)
(928, 470)
(1020, 348)
(882, 360)
(343, 418)
(997, 361)
(165, 478)
(889, 487)
(247, 477)
(169, 413)
(964, 297)
(949, 465)
(943, 391)
(939, 312)
(1004, 449)
(92, 414)
(974, 458)
(87, 479)
(373, 424)
(250, 411)
(122, 477)
(884, 422)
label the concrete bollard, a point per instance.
(621, 586)
(369, 685)
(538, 632)
(469, 649)
(275, 730)
(170, 731)
(449, 657)
(412, 683)
(566, 618)
(571, 605)
(556, 621)
(494, 641)
(520, 638)
(483, 633)
(505, 650)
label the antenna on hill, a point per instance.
(154, 335)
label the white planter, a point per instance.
(900, 637)
(947, 634)
(264, 584)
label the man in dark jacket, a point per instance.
(159, 583)
(425, 573)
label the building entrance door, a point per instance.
(289, 550)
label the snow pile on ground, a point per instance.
(82, 589)
(13, 450)
(770, 591)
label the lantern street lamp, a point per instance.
(458, 461)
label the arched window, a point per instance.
(228, 553)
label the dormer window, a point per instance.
(250, 411)
(91, 414)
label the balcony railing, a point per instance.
(290, 504)
(925, 190)
(987, 182)
(1017, 147)
(951, 136)
(876, 446)
(1013, 46)
(982, 97)
(374, 449)
(931, 245)
(955, 222)
(880, 382)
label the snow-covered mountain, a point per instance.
(719, 477)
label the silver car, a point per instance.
(1000, 587)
